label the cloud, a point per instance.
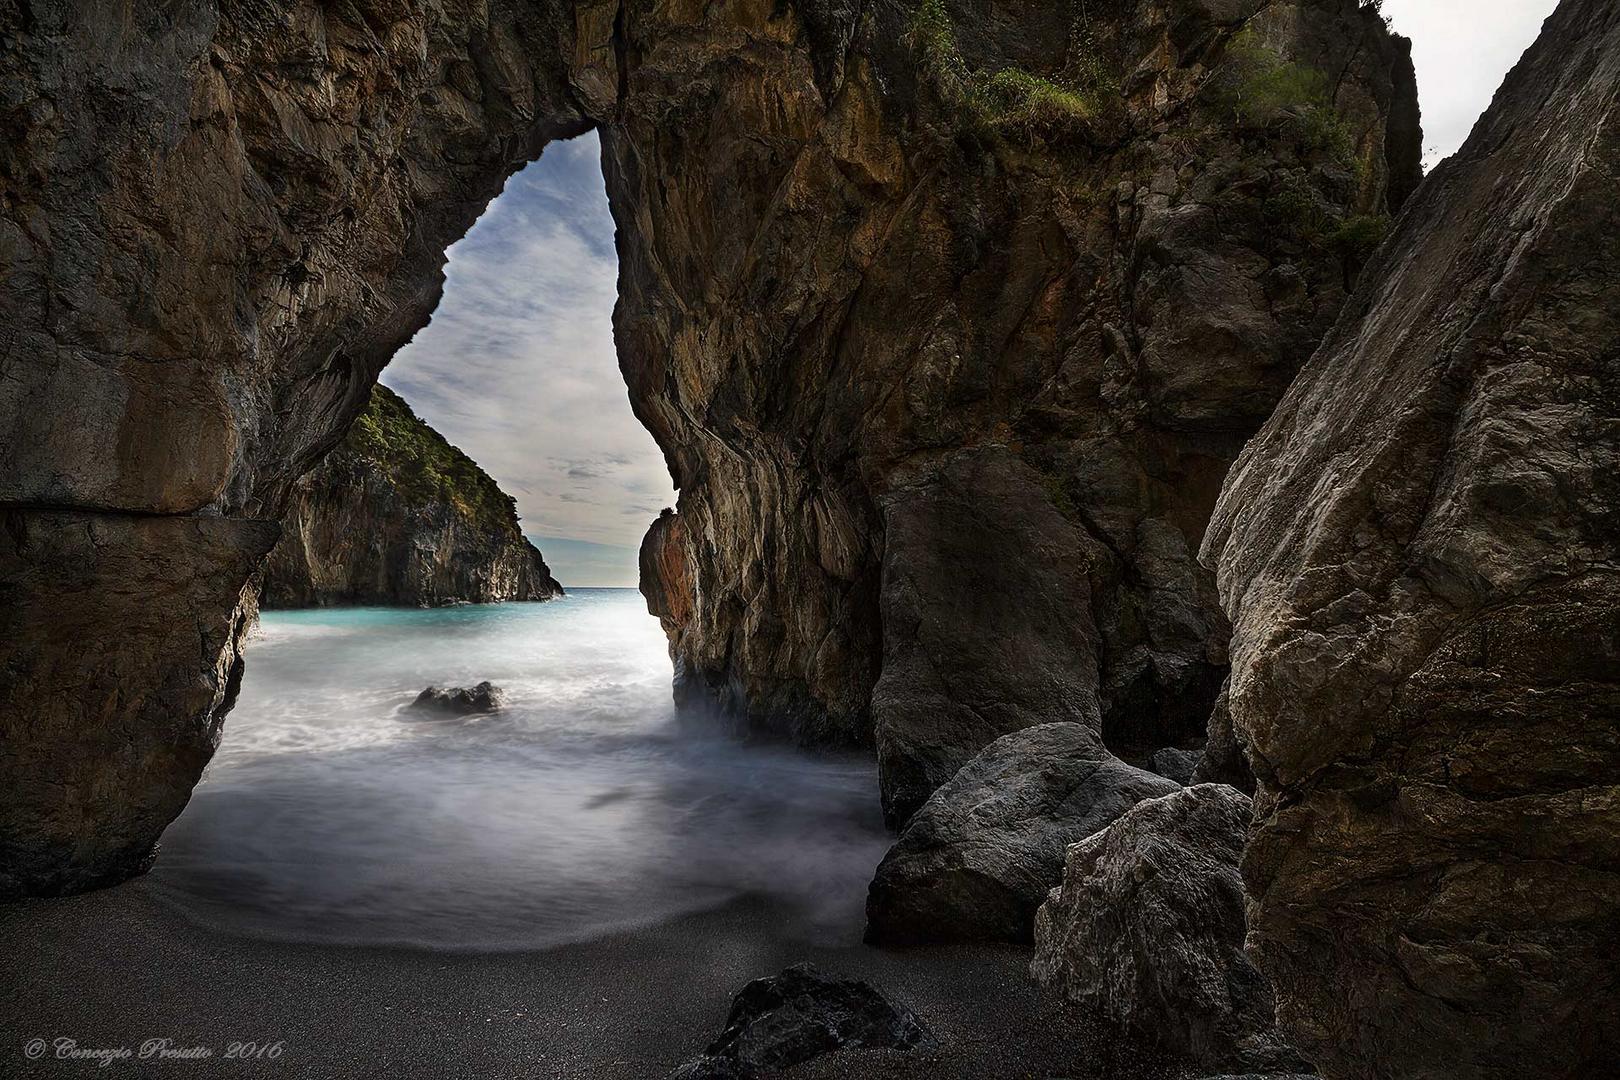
(518, 368)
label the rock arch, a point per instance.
(948, 327)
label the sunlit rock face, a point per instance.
(1418, 553)
(868, 253)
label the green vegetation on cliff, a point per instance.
(1013, 98)
(423, 466)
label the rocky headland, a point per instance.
(396, 515)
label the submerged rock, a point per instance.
(1176, 764)
(397, 515)
(486, 697)
(1148, 928)
(1223, 761)
(981, 855)
(803, 1013)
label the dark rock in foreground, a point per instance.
(1148, 929)
(1175, 764)
(803, 1013)
(486, 697)
(1418, 554)
(981, 855)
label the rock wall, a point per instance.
(1419, 555)
(950, 325)
(396, 515)
(219, 220)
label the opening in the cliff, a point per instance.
(336, 809)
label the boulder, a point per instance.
(978, 859)
(1176, 764)
(1148, 927)
(486, 697)
(803, 1013)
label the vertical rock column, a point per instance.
(1420, 553)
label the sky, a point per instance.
(1462, 50)
(517, 367)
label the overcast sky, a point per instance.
(517, 367)
(1462, 49)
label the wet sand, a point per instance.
(118, 967)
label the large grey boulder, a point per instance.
(980, 856)
(803, 1013)
(1148, 927)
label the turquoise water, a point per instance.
(333, 812)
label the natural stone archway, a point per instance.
(878, 272)
(221, 220)
(1419, 555)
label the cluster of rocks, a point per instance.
(982, 853)
(1126, 882)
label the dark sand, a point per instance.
(117, 967)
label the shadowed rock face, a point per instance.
(870, 263)
(1419, 556)
(106, 728)
(1147, 928)
(949, 387)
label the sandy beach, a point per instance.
(118, 967)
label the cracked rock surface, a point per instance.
(1418, 553)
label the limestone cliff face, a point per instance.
(1419, 555)
(396, 515)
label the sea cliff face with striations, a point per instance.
(396, 515)
(951, 319)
